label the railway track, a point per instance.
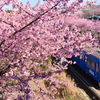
(95, 93)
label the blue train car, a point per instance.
(90, 63)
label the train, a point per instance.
(90, 63)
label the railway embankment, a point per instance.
(70, 92)
(83, 82)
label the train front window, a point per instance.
(79, 56)
(85, 59)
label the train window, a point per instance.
(91, 64)
(96, 67)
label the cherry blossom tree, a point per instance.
(29, 37)
(93, 10)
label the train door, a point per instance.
(94, 69)
(91, 66)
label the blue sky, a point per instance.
(33, 2)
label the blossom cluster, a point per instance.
(29, 37)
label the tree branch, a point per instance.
(27, 12)
(30, 23)
(8, 24)
(34, 20)
(3, 72)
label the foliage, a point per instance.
(25, 45)
(8, 11)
